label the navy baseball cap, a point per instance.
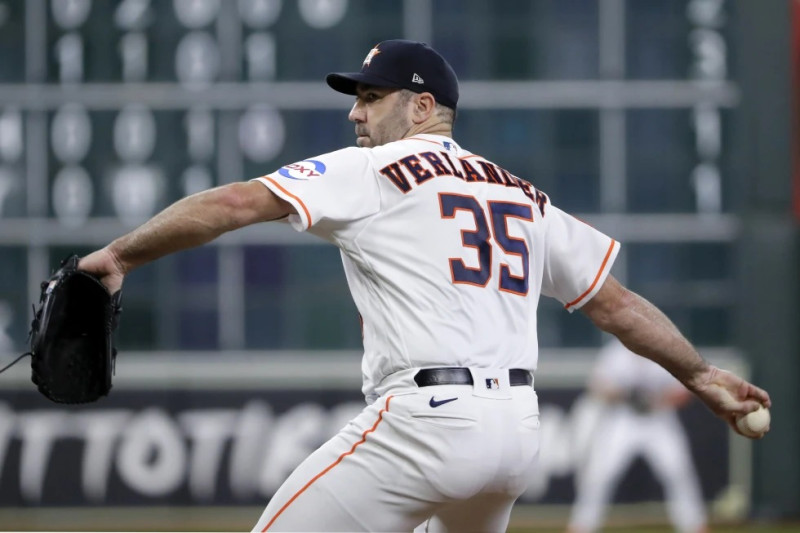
(403, 64)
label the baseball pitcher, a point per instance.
(446, 253)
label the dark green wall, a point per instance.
(769, 303)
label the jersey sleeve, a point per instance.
(577, 259)
(335, 188)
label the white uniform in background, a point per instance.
(640, 420)
(446, 255)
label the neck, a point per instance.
(431, 127)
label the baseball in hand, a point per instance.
(754, 424)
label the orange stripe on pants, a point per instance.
(330, 467)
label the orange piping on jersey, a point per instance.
(330, 467)
(421, 139)
(470, 156)
(596, 278)
(290, 195)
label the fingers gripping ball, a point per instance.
(754, 424)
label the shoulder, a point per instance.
(348, 157)
(354, 152)
(380, 156)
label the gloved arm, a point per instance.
(189, 222)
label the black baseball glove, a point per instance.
(72, 345)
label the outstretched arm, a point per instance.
(189, 222)
(645, 330)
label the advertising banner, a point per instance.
(229, 442)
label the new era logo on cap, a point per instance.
(405, 65)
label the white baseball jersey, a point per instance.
(445, 252)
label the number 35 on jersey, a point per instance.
(491, 232)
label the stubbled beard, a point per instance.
(381, 135)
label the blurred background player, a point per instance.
(640, 418)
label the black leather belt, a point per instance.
(462, 376)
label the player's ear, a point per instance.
(424, 107)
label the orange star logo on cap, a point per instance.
(372, 53)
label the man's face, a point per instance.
(381, 115)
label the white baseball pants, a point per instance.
(412, 458)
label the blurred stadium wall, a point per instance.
(767, 147)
